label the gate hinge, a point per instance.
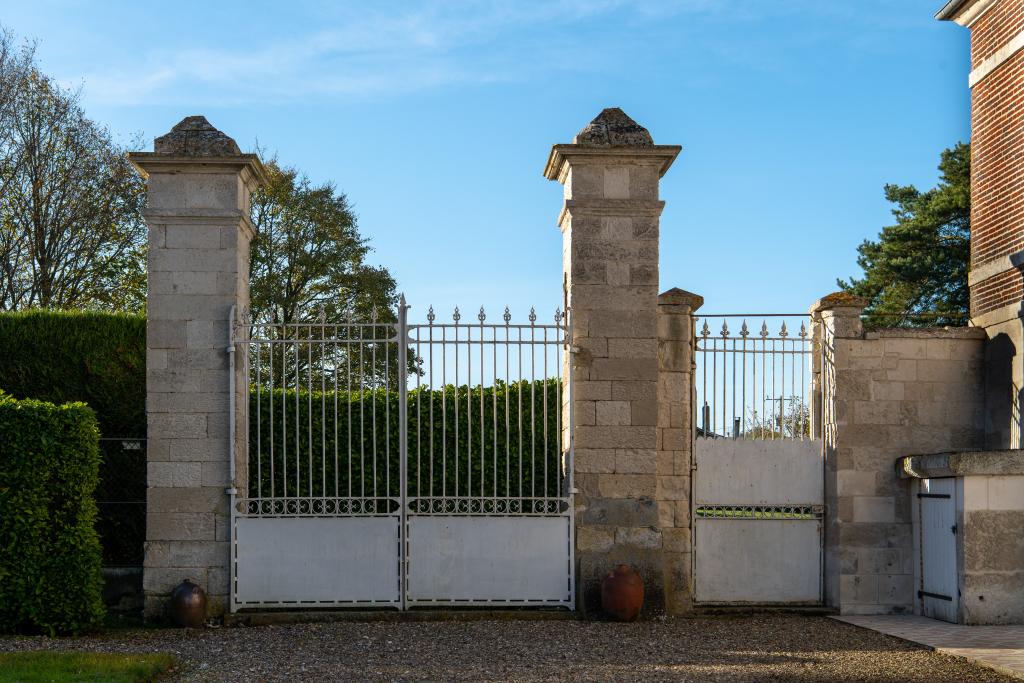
(231, 490)
(953, 529)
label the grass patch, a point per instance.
(49, 667)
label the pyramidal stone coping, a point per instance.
(611, 134)
(613, 128)
(194, 136)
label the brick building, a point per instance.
(997, 198)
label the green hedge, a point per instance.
(50, 578)
(306, 431)
(64, 356)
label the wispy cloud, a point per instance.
(379, 51)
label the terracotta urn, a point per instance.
(622, 593)
(187, 607)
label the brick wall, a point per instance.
(995, 28)
(997, 136)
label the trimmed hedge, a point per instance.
(50, 578)
(93, 357)
(315, 433)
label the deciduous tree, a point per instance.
(71, 228)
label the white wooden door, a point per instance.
(940, 594)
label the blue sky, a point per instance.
(436, 119)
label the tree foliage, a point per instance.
(915, 273)
(308, 258)
(71, 228)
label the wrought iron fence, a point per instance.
(485, 420)
(121, 501)
(361, 418)
(752, 381)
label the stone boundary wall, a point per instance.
(886, 394)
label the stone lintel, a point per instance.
(562, 157)
(680, 297)
(961, 464)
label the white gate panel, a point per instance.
(758, 561)
(759, 471)
(940, 594)
(316, 560)
(758, 521)
(521, 560)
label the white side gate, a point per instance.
(398, 465)
(939, 593)
(758, 489)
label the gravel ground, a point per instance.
(747, 648)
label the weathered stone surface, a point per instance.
(198, 202)
(961, 464)
(838, 300)
(613, 127)
(680, 297)
(195, 136)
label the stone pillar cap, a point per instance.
(612, 133)
(194, 136)
(680, 297)
(613, 127)
(837, 300)
(194, 143)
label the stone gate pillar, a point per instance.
(675, 442)
(609, 224)
(199, 185)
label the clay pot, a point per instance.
(187, 607)
(622, 593)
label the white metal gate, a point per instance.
(758, 490)
(939, 593)
(401, 465)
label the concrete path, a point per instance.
(998, 647)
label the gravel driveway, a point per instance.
(727, 648)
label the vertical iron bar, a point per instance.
(309, 404)
(544, 391)
(348, 399)
(334, 360)
(469, 412)
(508, 435)
(373, 403)
(743, 396)
(444, 415)
(403, 445)
(519, 395)
(456, 405)
(714, 383)
(387, 416)
(323, 410)
(533, 412)
(259, 424)
(494, 410)
(735, 433)
(270, 348)
(483, 465)
(362, 417)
